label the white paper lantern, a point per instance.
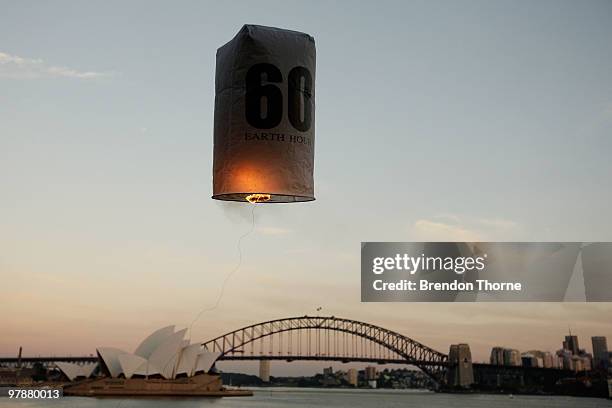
(264, 117)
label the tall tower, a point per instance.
(571, 344)
(264, 370)
(601, 357)
(460, 372)
(497, 356)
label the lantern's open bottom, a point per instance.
(261, 198)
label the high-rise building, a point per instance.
(577, 363)
(549, 360)
(544, 358)
(601, 357)
(571, 344)
(581, 363)
(566, 359)
(512, 357)
(505, 356)
(529, 360)
(557, 361)
(497, 356)
(264, 370)
(587, 361)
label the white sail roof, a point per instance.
(73, 371)
(187, 361)
(153, 341)
(164, 352)
(205, 361)
(165, 356)
(110, 356)
(130, 363)
(146, 369)
(88, 369)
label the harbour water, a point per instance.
(305, 397)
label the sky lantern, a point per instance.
(265, 117)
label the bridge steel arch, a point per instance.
(403, 349)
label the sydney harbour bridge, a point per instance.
(327, 339)
(315, 338)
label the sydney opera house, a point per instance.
(163, 364)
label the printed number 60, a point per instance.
(270, 115)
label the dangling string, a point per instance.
(222, 290)
(223, 285)
(230, 274)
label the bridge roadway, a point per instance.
(45, 361)
(29, 361)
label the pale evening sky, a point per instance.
(443, 120)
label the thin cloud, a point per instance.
(440, 231)
(448, 217)
(273, 231)
(450, 227)
(498, 223)
(16, 67)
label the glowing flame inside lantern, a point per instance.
(258, 198)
